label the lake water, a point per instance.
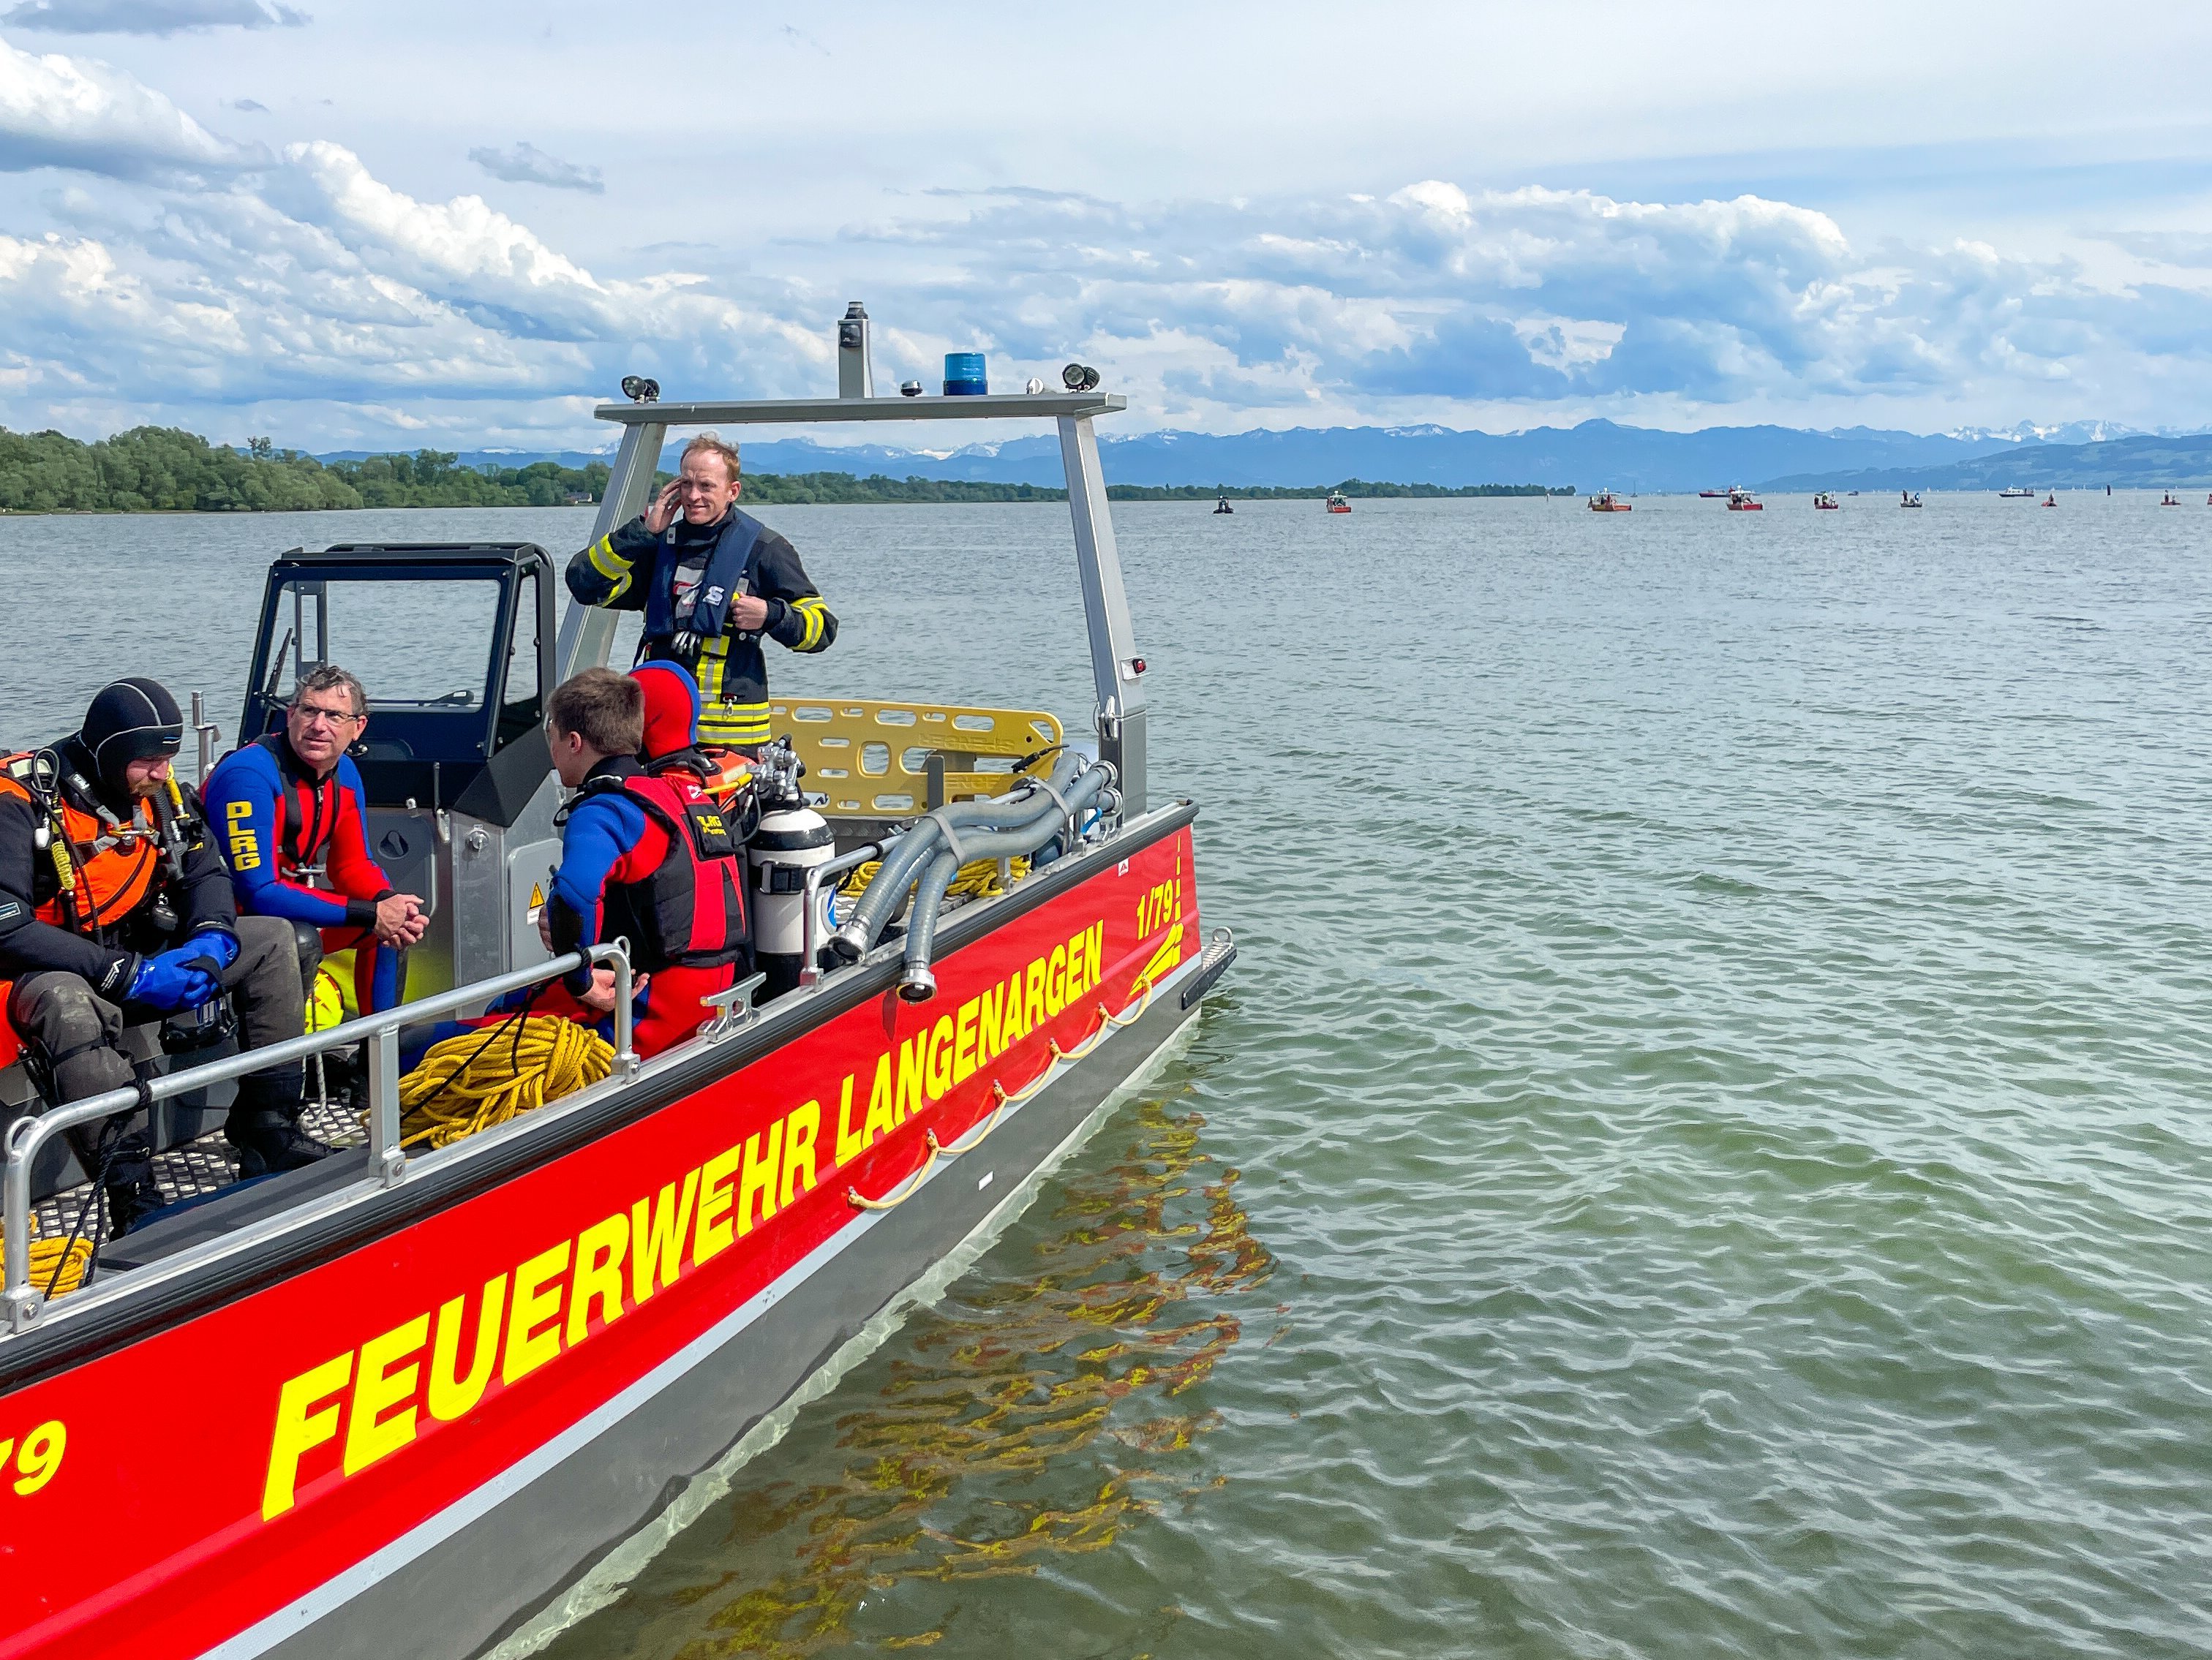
(1705, 1151)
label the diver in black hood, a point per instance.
(115, 914)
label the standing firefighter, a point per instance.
(116, 912)
(712, 582)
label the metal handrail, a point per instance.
(810, 972)
(24, 1303)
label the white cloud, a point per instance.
(1438, 302)
(303, 293)
(156, 17)
(525, 164)
(58, 112)
(331, 299)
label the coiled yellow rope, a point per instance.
(47, 1255)
(978, 878)
(483, 1078)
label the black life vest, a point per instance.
(728, 571)
(690, 911)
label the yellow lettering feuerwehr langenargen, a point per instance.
(371, 1400)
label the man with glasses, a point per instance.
(713, 582)
(293, 820)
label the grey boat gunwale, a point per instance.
(297, 1238)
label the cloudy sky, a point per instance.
(401, 224)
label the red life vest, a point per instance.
(690, 912)
(303, 839)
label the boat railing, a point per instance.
(811, 944)
(380, 1032)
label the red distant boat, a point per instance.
(1606, 502)
(1337, 504)
(1742, 502)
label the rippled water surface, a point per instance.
(1704, 1151)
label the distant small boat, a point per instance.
(1826, 502)
(1606, 502)
(1851, 492)
(1716, 496)
(1742, 502)
(1223, 507)
(2016, 493)
(2170, 501)
(1337, 504)
(1908, 498)
(2051, 500)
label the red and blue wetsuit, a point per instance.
(611, 850)
(276, 820)
(623, 873)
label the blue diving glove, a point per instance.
(218, 945)
(170, 982)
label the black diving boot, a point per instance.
(263, 1126)
(346, 1079)
(130, 1201)
(121, 1160)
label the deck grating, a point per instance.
(192, 1171)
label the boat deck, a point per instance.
(198, 1169)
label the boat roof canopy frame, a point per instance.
(1119, 710)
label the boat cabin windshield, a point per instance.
(454, 652)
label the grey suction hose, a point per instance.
(1024, 809)
(907, 860)
(893, 877)
(917, 984)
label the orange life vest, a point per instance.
(100, 878)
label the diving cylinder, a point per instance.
(791, 839)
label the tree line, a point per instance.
(164, 470)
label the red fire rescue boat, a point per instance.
(399, 1403)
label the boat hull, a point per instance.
(429, 1430)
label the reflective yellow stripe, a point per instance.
(811, 610)
(713, 662)
(610, 565)
(733, 722)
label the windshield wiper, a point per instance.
(276, 668)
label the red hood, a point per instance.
(671, 708)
